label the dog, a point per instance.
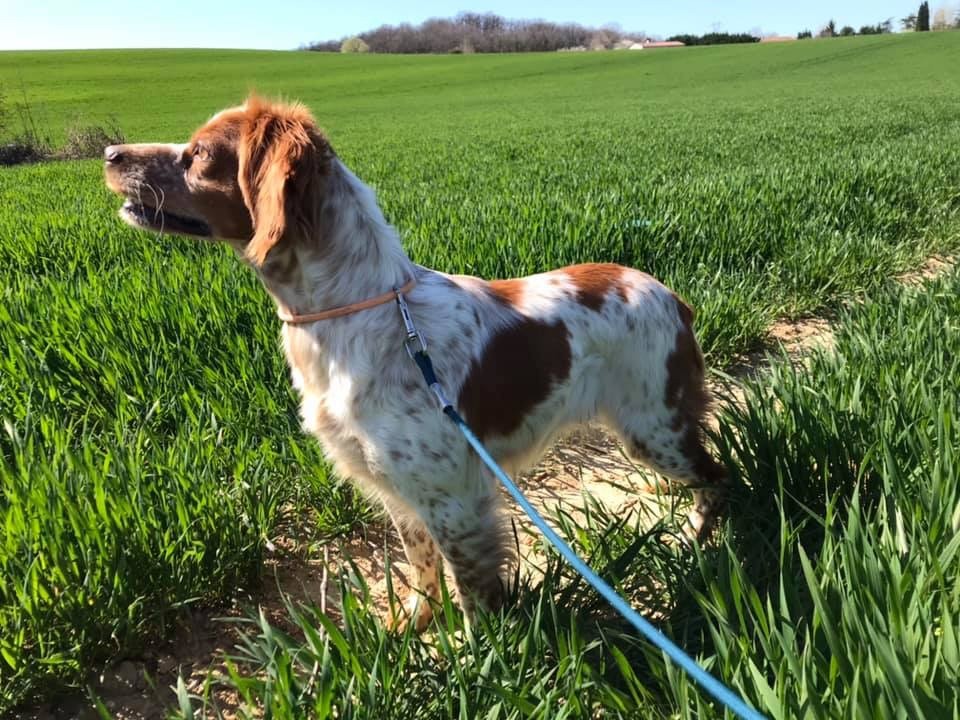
(524, 359)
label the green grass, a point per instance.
(150, 445)
(833, 592)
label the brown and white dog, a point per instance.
(523, 359)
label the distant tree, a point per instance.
(804, 35)
(923, 17)
(323, 46)
(354, 45)
(601, 40)
(879, 29)
(847, 31)
(909, 22)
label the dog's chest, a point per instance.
(332, 404)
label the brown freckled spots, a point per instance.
(640, 448)
(517, 371)
(396, 455)
(595, 281)
(281, 267)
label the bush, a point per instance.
(354, 45)
(23, 148)
(30, 145)
(20, 150)
(88, 141)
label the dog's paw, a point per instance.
(417, 609)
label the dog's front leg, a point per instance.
(475, 542)
(424, 560)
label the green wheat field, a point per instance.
(150, 448)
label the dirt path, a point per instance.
(589, 461)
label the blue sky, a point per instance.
(282, 24)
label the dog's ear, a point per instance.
(282, 159)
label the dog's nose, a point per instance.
(113, 154)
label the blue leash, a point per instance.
(713, 686)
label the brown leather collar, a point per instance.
(294, 319)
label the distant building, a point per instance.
(650, 45)
(777, 38)
(628, 44)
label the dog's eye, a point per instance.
(200, 152)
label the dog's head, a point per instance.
(252, 176)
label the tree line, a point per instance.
(474, 32)
(715, 38)
(471, 32)
(490, 33)
(920, 21)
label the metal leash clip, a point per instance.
(413, 335)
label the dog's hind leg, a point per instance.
(680, 455)
(665, 433)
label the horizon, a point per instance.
(290, 24)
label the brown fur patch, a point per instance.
(508, 291)
(687, 313)
(685, 364)
(688, 396)
(282, 158)
(595, 282)
(519, 367)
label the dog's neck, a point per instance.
(352, 256)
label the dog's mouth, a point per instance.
(151, 218)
